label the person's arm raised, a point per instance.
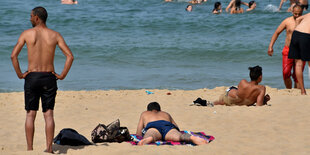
(67, 52)
(229, 5)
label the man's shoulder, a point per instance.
(260, 87)
(243, 81)
(289, 20)
(28, 31)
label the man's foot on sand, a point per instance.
(198, 140)
(49, 151)
(145, 141)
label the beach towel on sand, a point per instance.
(208, 138)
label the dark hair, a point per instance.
(153, 106)
(216, 5)
(237, 3)
(297, 5)
(187, 7)
(40, 12)
(251, 3)
(255, 72)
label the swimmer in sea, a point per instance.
(252, 6)
(236, 9)
(292, 3)
(217, 8)
(189, 8)
(232, 4)
(69, 2)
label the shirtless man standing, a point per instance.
(40, 79)
(287, 64)
(300, 48)
(155, 125)
(247, 93)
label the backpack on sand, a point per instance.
(71, 137)
(110, 133)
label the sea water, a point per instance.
(150, 44)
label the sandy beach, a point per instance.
(281, 128)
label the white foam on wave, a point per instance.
(271, 8)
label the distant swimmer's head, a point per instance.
(38, 13)
(238, 3)
(217, 6)
(189, 8)
(252, 4)
(256, 73)
(297, 11)
(153, 106)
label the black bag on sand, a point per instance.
(71, 137)
(111, 133)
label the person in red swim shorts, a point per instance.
(289, 25)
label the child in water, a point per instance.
(217, 8)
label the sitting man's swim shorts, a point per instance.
(40, 85)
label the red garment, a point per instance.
(288, 64)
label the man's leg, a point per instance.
(287, 65)
(29, 128)
(151, 135)
(299, 75)
(49, 129)
(175, 135)
(294, 75)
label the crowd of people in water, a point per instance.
(234, 6)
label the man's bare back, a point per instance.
(41, 43)
(304, 23)
(159, 125)
(40, 78)
(247, 93)
(151, 116)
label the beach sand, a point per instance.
(282, 128)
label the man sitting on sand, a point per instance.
(247, 93)
(155, 125)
